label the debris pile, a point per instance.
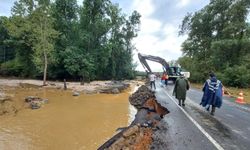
(114, 87)
(135, 137)
(138, 98)
(35, 102)
(139, 134)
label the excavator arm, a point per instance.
(144, 63)
(173, 72)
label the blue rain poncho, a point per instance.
(212, 93)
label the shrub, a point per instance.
(10, 68)
(237, 76)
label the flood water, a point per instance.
(66, 122)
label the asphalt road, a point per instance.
(192, 127)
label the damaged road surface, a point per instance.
(164, 128)
(190, 127)
(154, 128)
(142, 132)
(181, 132)
(228, 129)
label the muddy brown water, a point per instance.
(66, 122)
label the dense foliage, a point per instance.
(64, 40)
(219, 41)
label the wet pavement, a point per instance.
(229, 126)
(228, 129)
(181, 132)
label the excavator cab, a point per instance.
(174, 73)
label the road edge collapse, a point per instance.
(139, 134)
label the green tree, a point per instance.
(60, 39)
(44, 36)
(20, 29)
(120, 43)
(7, 51)
(130, 32)
(94, 28)
(217, 37)
(31, 28)
(65, 14)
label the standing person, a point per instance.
(180, 89)
(152, 80)
(65, 84)
(212, 95)
(166, 79)
(163, 78)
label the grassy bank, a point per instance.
(232, 91)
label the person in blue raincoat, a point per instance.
(212, 95)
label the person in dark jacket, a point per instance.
(212, 95)
(180, 89)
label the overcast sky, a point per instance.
(159, 28)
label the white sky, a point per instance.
(159, 28)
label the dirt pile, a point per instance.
(138, 98)
(140, 134)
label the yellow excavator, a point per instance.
(173, 71)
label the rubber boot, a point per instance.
(208, 108)
(213, 110)
(183, 102)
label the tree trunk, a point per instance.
(45, 55)
(45, 68)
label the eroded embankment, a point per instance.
(143, 132)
